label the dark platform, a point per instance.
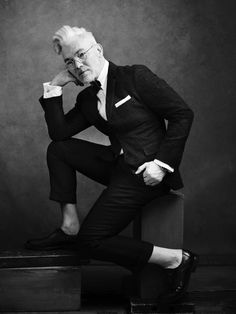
(40, 281)
(30, 258)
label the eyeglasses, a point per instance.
(79, 56)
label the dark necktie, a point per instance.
(96, 86)
(101, 105)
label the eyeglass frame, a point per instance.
(80, 59)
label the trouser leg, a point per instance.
(117, 206)
(64, 158)
(125, 195)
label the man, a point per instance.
(129, 104)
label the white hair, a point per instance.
(64, 35)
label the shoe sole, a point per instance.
(195, 263)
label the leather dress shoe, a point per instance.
(58, 239)
(179, 277)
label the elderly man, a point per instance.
(129, 104)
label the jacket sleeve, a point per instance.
(167, 104)
(62, 126)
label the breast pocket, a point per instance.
(122, 101)
(128, 113)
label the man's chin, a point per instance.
(87, 77)
(87, 81)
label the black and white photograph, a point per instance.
(117, 156)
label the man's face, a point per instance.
(88, 69)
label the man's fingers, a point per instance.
(152, 183)
(75, 79)
(141, 168)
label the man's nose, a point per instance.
(78, 63)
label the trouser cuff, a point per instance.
(71, 199)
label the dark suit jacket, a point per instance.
(138, 124)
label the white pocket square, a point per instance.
(119, 103)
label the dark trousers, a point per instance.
(124, 196)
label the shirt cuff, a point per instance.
(163, 165)
(51, 91)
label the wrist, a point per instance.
(51, 90)
(54, 83)
(160, 168)
(163, 165)
(163, 169)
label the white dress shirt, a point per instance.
(102, 93)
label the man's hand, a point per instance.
(153, 173)
(63, 78)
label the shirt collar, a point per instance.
(102, 78)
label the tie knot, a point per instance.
(96, 85)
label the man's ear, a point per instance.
(100, 49)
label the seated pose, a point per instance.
(130, 105)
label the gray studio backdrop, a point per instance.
(188, 43)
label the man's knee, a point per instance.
(57, 148)
(54, 149)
